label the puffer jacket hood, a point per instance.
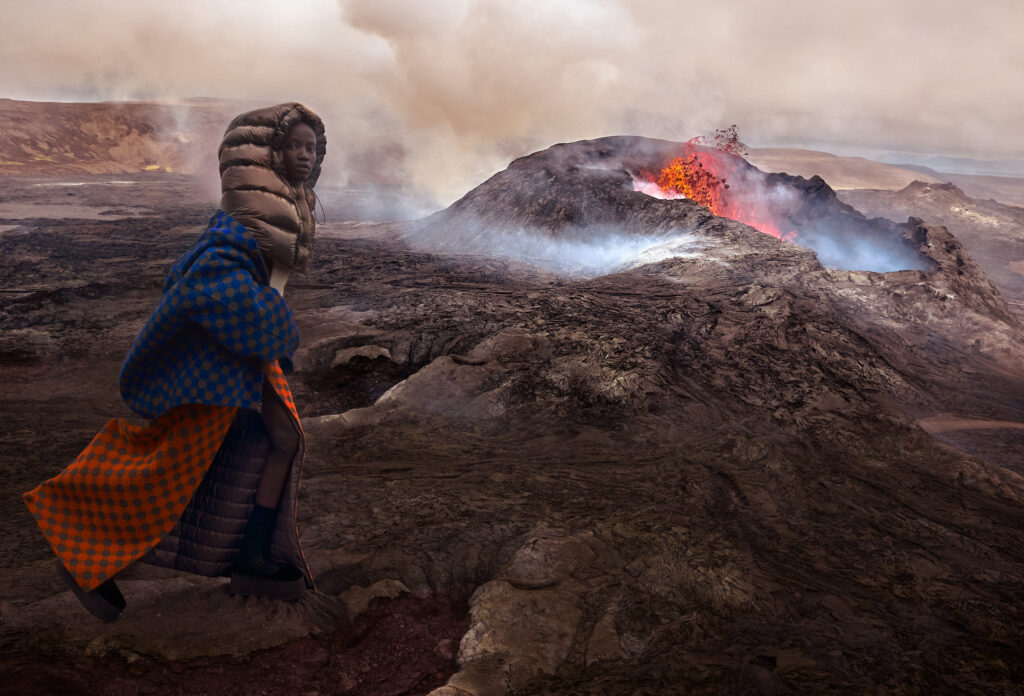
(255, 188)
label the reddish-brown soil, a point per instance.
(398, 647)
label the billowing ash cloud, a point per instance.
(433, 97)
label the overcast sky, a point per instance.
(462, 83)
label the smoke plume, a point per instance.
(430, 98)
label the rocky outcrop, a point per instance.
(993, 233)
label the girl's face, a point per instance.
(299, 151)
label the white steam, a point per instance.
(598, 253)
(758, 202)
(652, 189)
(863, 255)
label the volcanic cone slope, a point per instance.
(555, 206)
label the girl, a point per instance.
(210, 485)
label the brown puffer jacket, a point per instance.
(255, 189)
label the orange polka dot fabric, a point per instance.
(128, 488)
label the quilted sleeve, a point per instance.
(248, 319)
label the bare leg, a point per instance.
(283, 443)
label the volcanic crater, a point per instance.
(693, 463)
(604, 196)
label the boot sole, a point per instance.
(103, 609)
(255, 586)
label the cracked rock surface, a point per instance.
(703, 474)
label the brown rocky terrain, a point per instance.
(991, 231)
(1008, 190)
(694, 465)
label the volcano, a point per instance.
(645, 448)
(609, 187)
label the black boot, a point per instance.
(256, 536)
(253, 572)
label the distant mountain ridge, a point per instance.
(61, 138)
(840, 172)
(955, 165)
(846, 173)
(56, 138)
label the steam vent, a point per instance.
(630, 417)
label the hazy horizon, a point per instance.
(449, 91)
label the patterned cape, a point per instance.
(198, 363)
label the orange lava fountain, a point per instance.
(701, 173)
(687, 176)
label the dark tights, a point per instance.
(283, 443)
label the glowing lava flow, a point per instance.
(701, 174)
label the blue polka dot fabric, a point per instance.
(217, 326)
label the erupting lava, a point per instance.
(687, 176)
(701, 174)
